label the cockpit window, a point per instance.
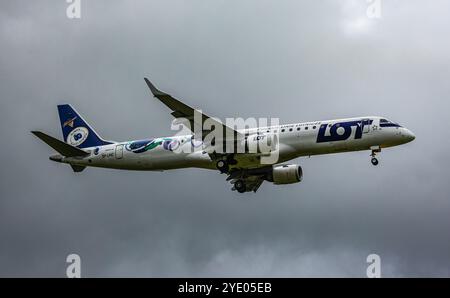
(388, 123)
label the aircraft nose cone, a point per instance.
(409, 135)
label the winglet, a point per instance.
(153, 89)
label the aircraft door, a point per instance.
(119, 151)
(365, 125)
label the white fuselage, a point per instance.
(295, 140)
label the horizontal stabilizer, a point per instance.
(61, 147)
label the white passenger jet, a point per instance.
(251, 155)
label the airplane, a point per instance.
(83, 147)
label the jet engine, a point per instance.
(286, 174)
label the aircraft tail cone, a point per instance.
(57, 158)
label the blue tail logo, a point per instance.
(76, 131)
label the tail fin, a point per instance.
(76, 131)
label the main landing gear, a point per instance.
(239, 185)
(375, 150)
(223, 165)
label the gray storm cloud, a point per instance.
(295, 60)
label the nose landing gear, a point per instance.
(374, 161)
(375, 150)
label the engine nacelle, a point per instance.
(286, 174)
(261, 143)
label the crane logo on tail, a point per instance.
(69, 122)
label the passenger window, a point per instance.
(306, 128)
(282, 130)
(314, 127)
(298, 128)
(290, 129)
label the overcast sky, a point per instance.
(295, 60)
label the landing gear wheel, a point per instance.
(240, 186)
(222, 166)
(375, 150)
(374, 161)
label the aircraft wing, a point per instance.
(183, 113)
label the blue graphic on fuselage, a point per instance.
(141, 146)
(138, 146)
(171, 144)
(343, 135)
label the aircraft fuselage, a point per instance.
(294, 140)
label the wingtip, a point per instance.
(152, 87)
(38, 134)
